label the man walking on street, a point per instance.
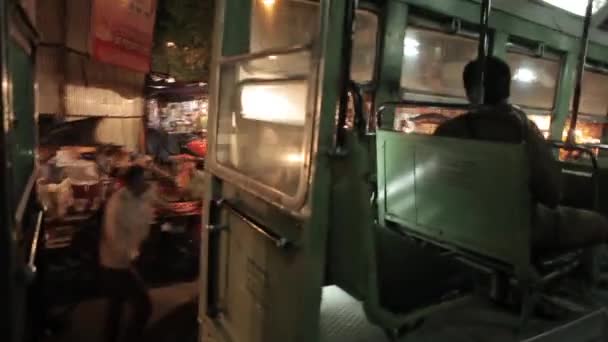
(127, 218)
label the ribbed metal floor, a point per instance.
(343, 320)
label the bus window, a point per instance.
(433, 62)
(264, 123)
(593, 108)
(364, 47)
(534, 81)
(543, 122)
(593, 98)
(263, 126)
(588, 130)
(282, 24)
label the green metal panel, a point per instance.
(469, 194)
(564, 93)
(391, 56)
(500, 41)
(21, 69)
(351, 247)
(236, 23)
(8, 321)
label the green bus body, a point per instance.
(296, 220)
(19, 122)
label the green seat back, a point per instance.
(471, 195)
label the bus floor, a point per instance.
(343, 319)
(173, 319)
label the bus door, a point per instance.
(21, 220)
(262, 253)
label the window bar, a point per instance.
(486, 6)
(582, 57)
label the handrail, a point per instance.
(602, 147)
(22, 204)
(274, 51)
(580, 148)
(279, 241)
(416, 103)
(594, 163)
(34, 245)
(580, 70)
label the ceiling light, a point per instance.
(525, 75)
(577, 7)
(410, 47)
(170, 80)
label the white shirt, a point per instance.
(126, 225)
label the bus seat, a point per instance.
(412, 277)
(578, 186)
(469, 195)
(471, 198)
(397, 281)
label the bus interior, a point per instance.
(327, 186)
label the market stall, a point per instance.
(176, 118)
(77, 177)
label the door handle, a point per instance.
(276, 239)
(29, 270)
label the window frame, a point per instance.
(292, 204)
(517, 45)
(597, 68)
(421, 23)
(372, 9)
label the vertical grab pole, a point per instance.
(482, 52)
(347, 49)
(582, 57)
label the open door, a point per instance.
(21, 219)
(262, 255)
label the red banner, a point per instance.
(122, 32)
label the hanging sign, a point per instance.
(122, 32)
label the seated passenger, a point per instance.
(556, 228)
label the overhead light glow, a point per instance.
(410, 47)
(170, 44)
(170, 80)
(268, 3)
(525, 75)
(284, 104)
(577, 7)
(295, 158)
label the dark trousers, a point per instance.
(565, 228)
(122, 286)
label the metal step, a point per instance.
(589, 328)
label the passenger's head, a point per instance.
(497, 83)
(134, 180)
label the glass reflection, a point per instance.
(534, 80)
(594, 99)
(433, 62)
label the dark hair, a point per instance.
(133, 175)
(497, 83)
